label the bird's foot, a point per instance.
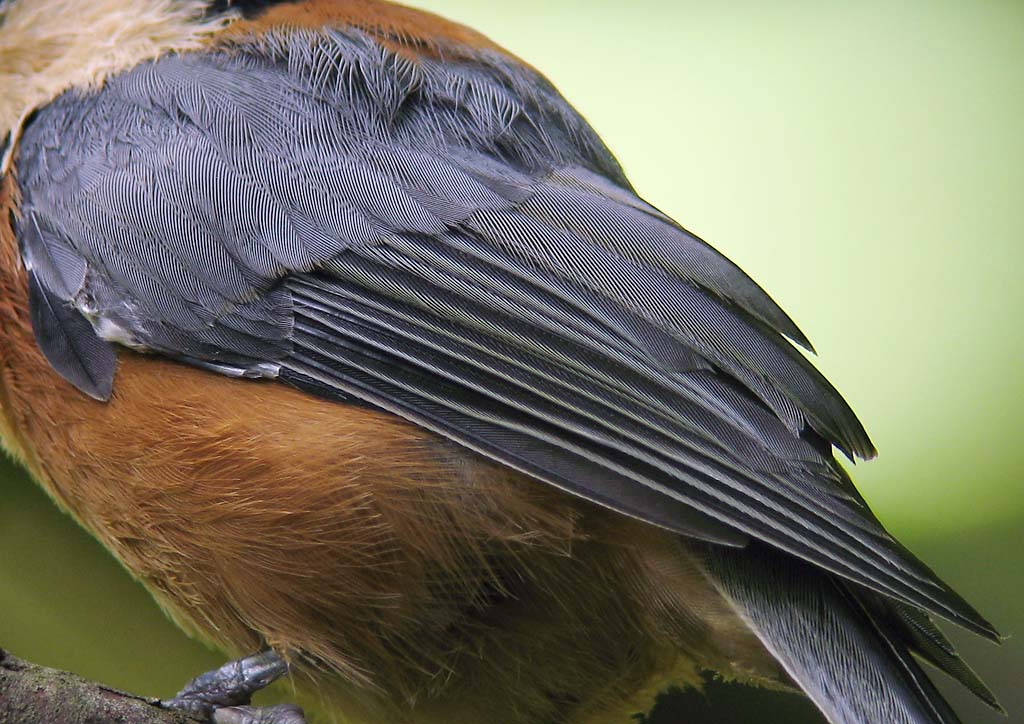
(223, 695)
(281, 714)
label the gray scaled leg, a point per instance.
(223, 694)
(281, 714)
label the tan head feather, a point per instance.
(48, 46)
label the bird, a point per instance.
(350, 339)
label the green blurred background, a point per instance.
(864, 162)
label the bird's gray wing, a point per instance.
(450, 242)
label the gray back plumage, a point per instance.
(449, 241)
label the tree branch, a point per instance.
(31, 694)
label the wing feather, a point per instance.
(431, 365)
